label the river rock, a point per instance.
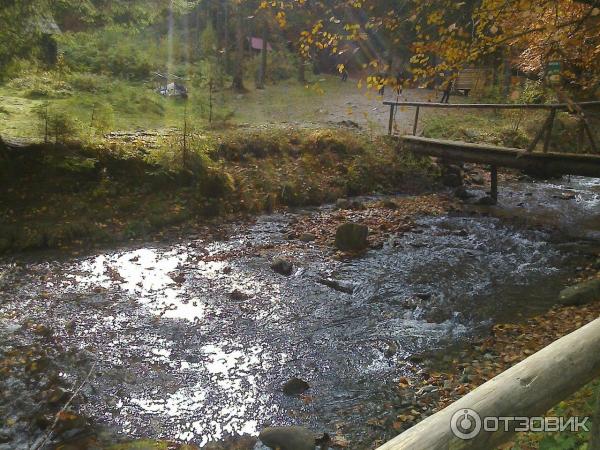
(341, 286)
(565, 196)
(452, 175)
(282, 266)
(351, 237)
(295, 386)
(581, 293)
(461, 193)
(288, 438)
(307, 237)
(237, 295)
(486, 201)
(477, 178)
(389, 203)
(342, 203)
(233, 443)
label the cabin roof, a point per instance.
(256, 43)
(47, 25)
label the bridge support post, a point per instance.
(494, 184)
(549, 129)
(391, 123)
(416, 121)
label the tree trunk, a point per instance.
(301, 70)
(226, 36)
(238, 76)
(263, 58)
(507, 73)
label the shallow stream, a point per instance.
(193, 340)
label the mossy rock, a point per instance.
(581, 294)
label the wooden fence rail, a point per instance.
(528, 389)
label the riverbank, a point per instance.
(439, 380)
(143, 186)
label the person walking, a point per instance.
(344, 74)
(399, 85)
(447, 90)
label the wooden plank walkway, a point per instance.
(556, 163)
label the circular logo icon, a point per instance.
(465, 424)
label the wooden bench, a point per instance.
(470, 79)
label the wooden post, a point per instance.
(391, 123)
(550, 124)
(580, 136)
(588, 130)
(416, 121)
(539, 135)
(494, 184)
(526, 390)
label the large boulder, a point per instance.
(288, 438)
(581, 293)
(351, 237)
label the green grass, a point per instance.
(137, 106)
(581, 404)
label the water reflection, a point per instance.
(233, 375)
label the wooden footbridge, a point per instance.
(525, 159)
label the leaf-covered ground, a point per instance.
(437, 384)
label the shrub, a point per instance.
(89, 82)
(17, 67)
(57, 125)
(103, 117)
(118, 51)
(333, 141)
(215, 183)
(41, 85)
(533, 92)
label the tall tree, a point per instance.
(262, 72)
(238, 75)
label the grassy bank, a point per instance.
(137, 185)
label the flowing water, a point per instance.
(193, 340)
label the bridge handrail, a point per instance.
(546, 129)
(547, 106)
